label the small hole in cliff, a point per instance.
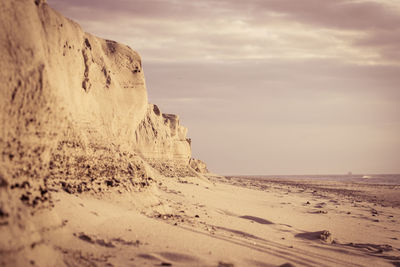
(156, 110)
(87, 44)
(112, 46)
(86, 85)
(3, 182)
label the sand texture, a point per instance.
(91, 174)
(195, 222)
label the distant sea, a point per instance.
(393, 179)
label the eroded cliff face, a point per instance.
(162, 141)
(68, 96)
(74, 115)
(68, 100)
(198, 165)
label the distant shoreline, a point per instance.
(361, 178)
(383, 194)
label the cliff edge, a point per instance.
(74, 116)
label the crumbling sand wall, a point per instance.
(160, 136)
(69, 98)
(74, 115)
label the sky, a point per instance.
(268, 86)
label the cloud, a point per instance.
(340, 14)
(223, 30)
(223, 79)
(348, 14)
(387, 42)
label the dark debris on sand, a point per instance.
(106, 243)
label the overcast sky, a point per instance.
(268, 86)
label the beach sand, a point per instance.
(220, 221)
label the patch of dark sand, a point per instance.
(318, 212)
(85, 237)
(151, 257)
(375, 248)
(259, 263)
(125, 242)
(238, 232)
(320, 205)
(80, 258)
(106, 243)
(225, 264)
(178, 257)
(287, 225)
(256, 219)
(148, 257)
(226, 212)
(286, 231)
(366, 218)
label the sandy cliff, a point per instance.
(66, 93)
(161, 140)
(74, 116)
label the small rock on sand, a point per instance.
(326, 236)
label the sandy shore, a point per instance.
(219, 222)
